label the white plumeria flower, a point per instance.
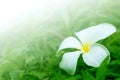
(93, 53)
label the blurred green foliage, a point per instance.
(36, 59)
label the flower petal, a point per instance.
(96, 33)
(70, 42)
(96, 55)
(69, 62)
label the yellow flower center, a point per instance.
(85, 48)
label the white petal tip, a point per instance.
(69, 42)
(95, 33)
(69, 62)
(112, 27)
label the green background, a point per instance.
(29, 51)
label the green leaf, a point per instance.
(101, 72)
(16, 74)
(87, 76)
